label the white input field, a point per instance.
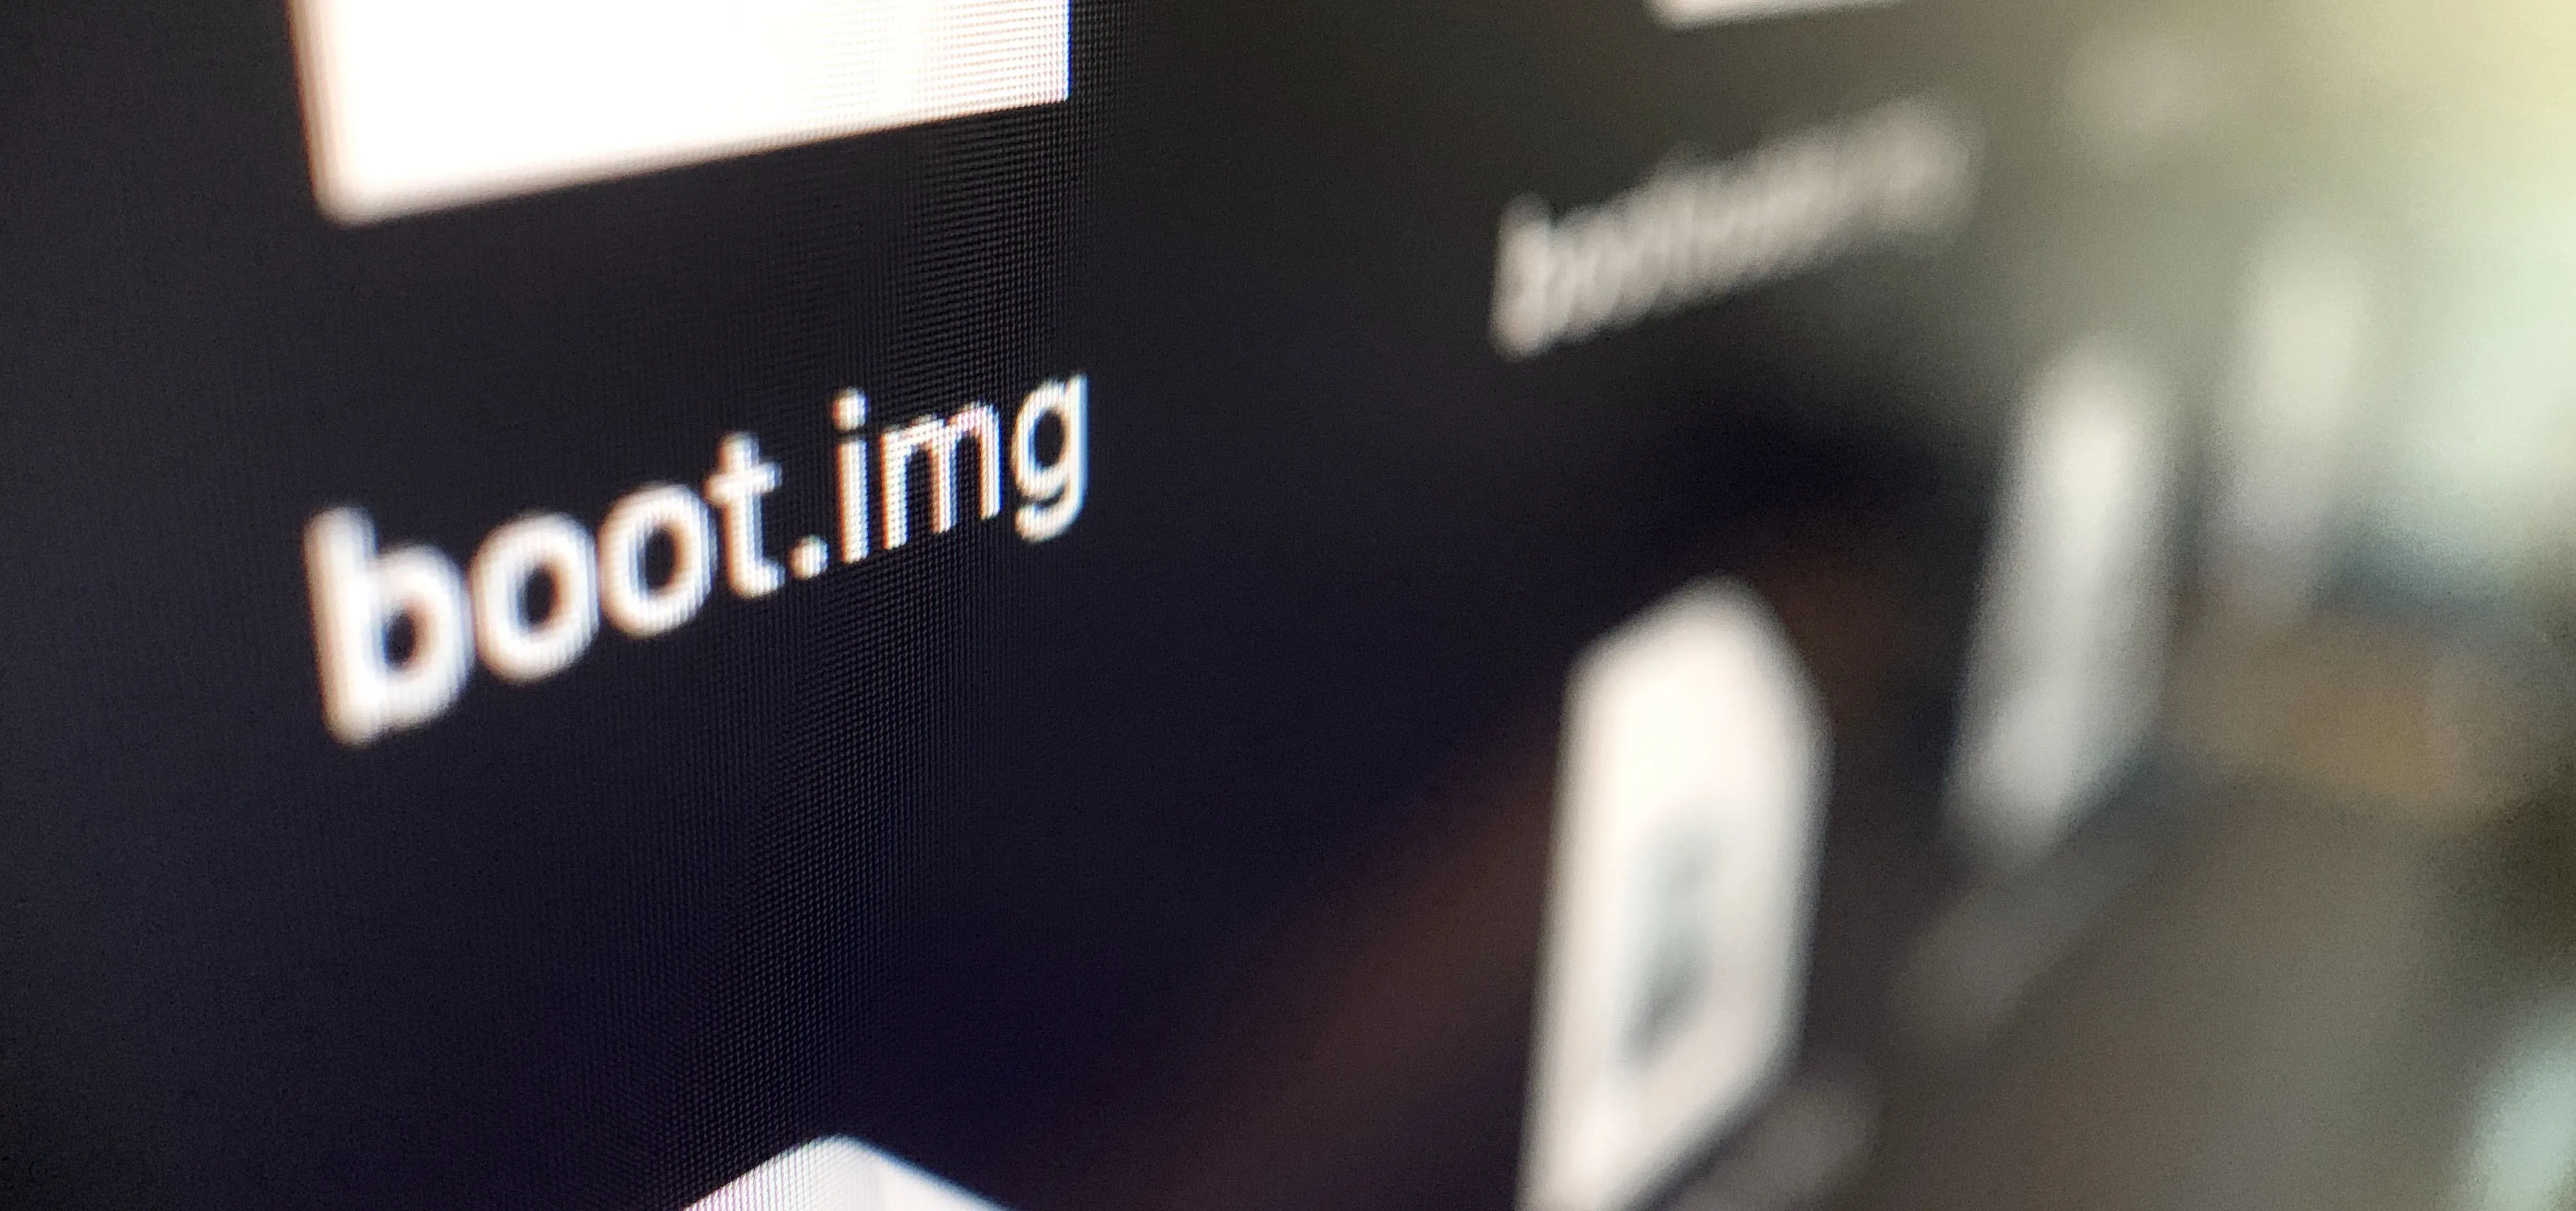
(414, 105)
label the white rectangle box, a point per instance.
(1682, 14)
(1689, 811)
(414, 105)
(837, 1173)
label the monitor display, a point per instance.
(1634, 605)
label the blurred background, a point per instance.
(2241, 872)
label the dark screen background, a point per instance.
(978, 850)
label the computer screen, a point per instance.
(1621, 605)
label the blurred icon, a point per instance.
(1694, 762)
(2067, 664)
(838, 1174)
(1685, 13)
(2287, 426)
(415, 105)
